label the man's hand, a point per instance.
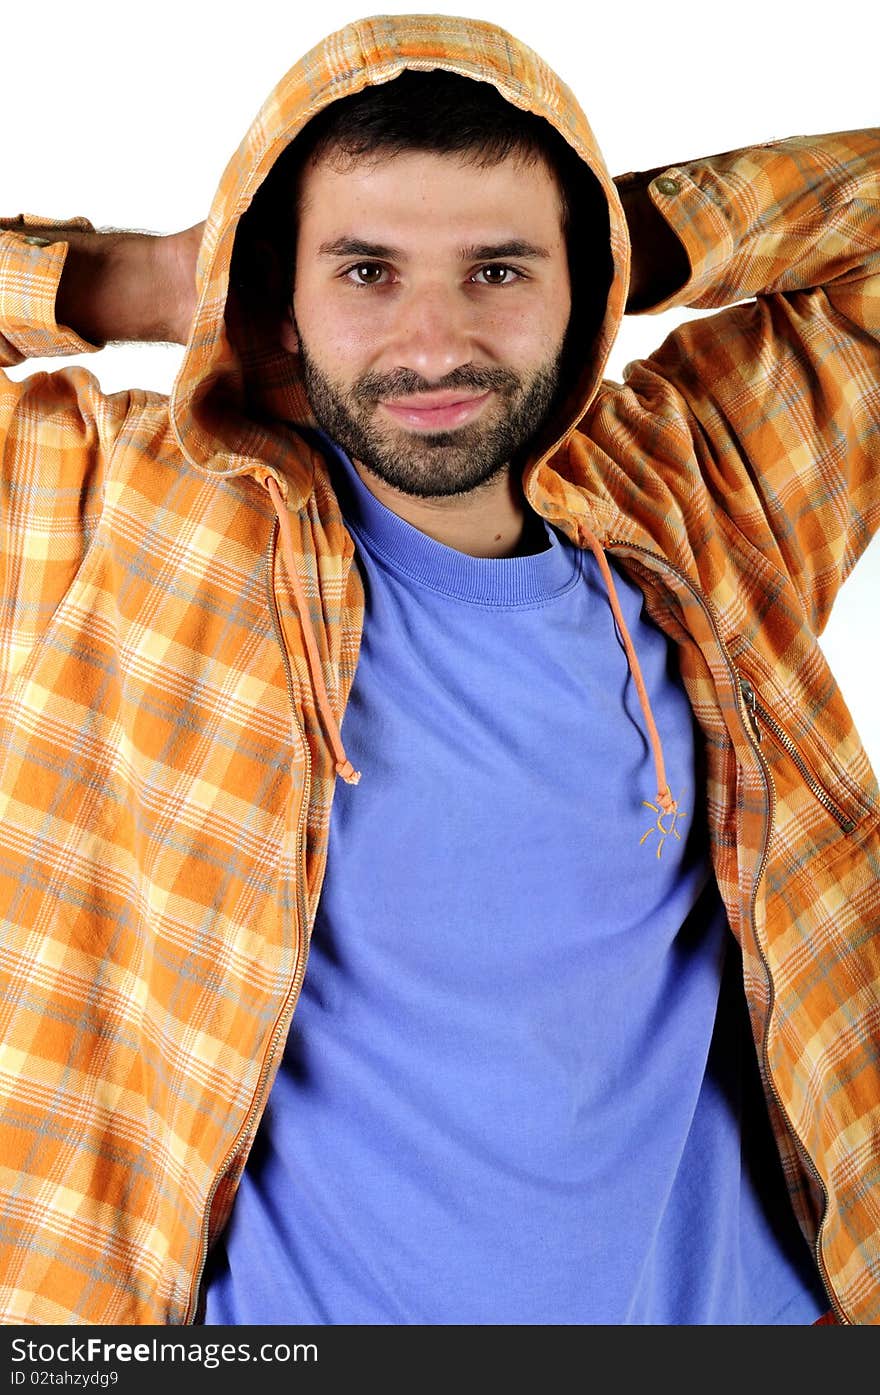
(122, 286)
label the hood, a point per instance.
(238, 397)
(238, 405)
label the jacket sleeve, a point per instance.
(57, 431)
(783, 392)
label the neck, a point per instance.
(492, 521)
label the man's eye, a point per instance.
(370, 274)
(507, 271)
(373, 272)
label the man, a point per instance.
(589, 1028)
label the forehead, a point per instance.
(421, 192)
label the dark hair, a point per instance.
(444, 113)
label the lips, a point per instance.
(441, 410)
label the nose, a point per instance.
(433, 331)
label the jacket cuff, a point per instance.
(30, 272)
(787, 215)
(702, 226)
(706, 232)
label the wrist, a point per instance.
(118, 286)
(177, 257)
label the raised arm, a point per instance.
(108, 286)
(788, 215)
(65, 289)
(779, 395)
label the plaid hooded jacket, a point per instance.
(165, 769)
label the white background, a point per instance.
(128, 114)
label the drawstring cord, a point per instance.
(664, 794)
(344, 766)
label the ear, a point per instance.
(288, 335)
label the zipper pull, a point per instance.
(751, 702)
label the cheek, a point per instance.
(341, 326)
(332, 336)
(528, 337)
(347, 332)
(528, 327)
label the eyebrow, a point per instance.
(483, 252)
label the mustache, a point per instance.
(373, 386)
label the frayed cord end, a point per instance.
(666, 802)
(348, 772)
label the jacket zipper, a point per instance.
(753, 735)
(293, 992)
(756, 710)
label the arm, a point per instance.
(780, 395)
(789, 215)
(119, 286)
(58, 430)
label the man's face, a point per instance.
(422, 282)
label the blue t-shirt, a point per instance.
(519, 1086)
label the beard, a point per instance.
(434, 464)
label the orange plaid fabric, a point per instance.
(165, 778)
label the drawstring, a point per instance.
(664, 795)
(344, 766)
